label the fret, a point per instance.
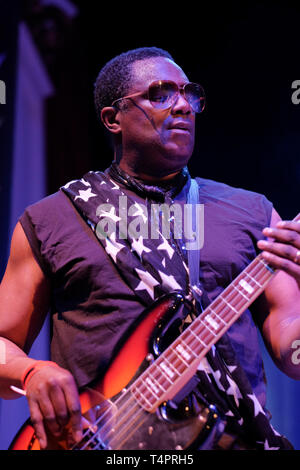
(152, 386)
(161, 372)
(146, 393)
(157, 383)
(186, 346)
(206, 326)
(247, 286)
(256, 268)
(220, 308)
(228, 304)
(194, 343)
(198, 339)
(202, 333)
(228, 313)
(190, 335)
(181, 353)
(261, 260)
(170, 370)
(240, 292)
(175, 360)
(232, 299)
(260, 273)
(260, 268)
(253, 279)
(265, 276)
(261, 276)
(210, 324)
(141, 398)
(224, 310)
(218, 316)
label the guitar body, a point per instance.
(116, 416)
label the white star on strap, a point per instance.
(257, 406)
(139, 212)
(267, 447)
(69, 183)
(112, 246)
(86, 183)
(205, 367)
(275, 432)
(169, 281)
(111, 214)
(85, 195)
(138, 246)
(115, 186)
(233, 390)
(167, 247)
(217, 375)
(147, 282)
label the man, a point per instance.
(56, 260)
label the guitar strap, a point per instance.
(193, 256)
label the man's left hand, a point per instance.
(282, 249)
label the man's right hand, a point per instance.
(54, 404)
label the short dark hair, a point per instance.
(114, 79)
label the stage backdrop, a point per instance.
(27, 183)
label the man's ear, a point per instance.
(110, 120)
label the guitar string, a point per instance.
(126, 408)
(139, 413)
(262, 270)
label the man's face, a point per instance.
(156, 142)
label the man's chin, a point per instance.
(176, 160)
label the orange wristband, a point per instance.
(32, 369)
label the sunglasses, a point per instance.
(162, 94)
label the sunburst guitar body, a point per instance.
(131, 407)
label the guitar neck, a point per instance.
(178, 363)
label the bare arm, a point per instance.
(24, 302)
(278, 308)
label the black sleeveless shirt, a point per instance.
(92, 307)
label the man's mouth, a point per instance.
(181, 126)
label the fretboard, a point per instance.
(176, 365)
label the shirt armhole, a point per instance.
(34, 243)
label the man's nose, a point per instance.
(181, 105)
